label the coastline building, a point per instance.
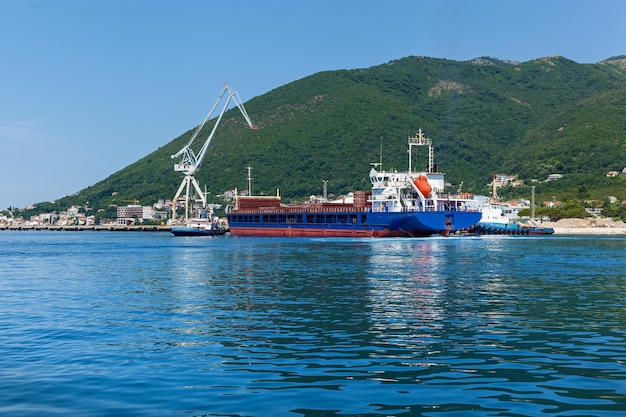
(129, 214)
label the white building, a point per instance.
(133, 213)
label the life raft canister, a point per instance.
(422, 184)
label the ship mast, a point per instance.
(249, 168)
(420, 140)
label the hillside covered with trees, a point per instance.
(485, 116)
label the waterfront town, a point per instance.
(157, 216)
(117, 216)
(76, 216)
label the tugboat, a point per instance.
(494, 220)
(205, 225)
(400, 204)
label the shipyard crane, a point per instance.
(190, 162)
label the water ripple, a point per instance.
(145, 324)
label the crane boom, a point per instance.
(191, 162)
(187, 147)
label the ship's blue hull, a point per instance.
(351, 223)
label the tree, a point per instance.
(616, 211)
(573, 209)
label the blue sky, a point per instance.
(89, 87)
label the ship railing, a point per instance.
(444, 205)
(418, 209)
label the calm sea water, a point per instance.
(145, 324)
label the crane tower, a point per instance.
(190, 162)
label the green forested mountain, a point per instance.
(485, 116)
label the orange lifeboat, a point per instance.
(422, 184)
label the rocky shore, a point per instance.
(587, 227)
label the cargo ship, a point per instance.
(400, 204)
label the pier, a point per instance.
(99, 228)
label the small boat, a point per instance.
(400, 204)
(494, 221)
(205, 225)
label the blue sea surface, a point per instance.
(147, 324)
